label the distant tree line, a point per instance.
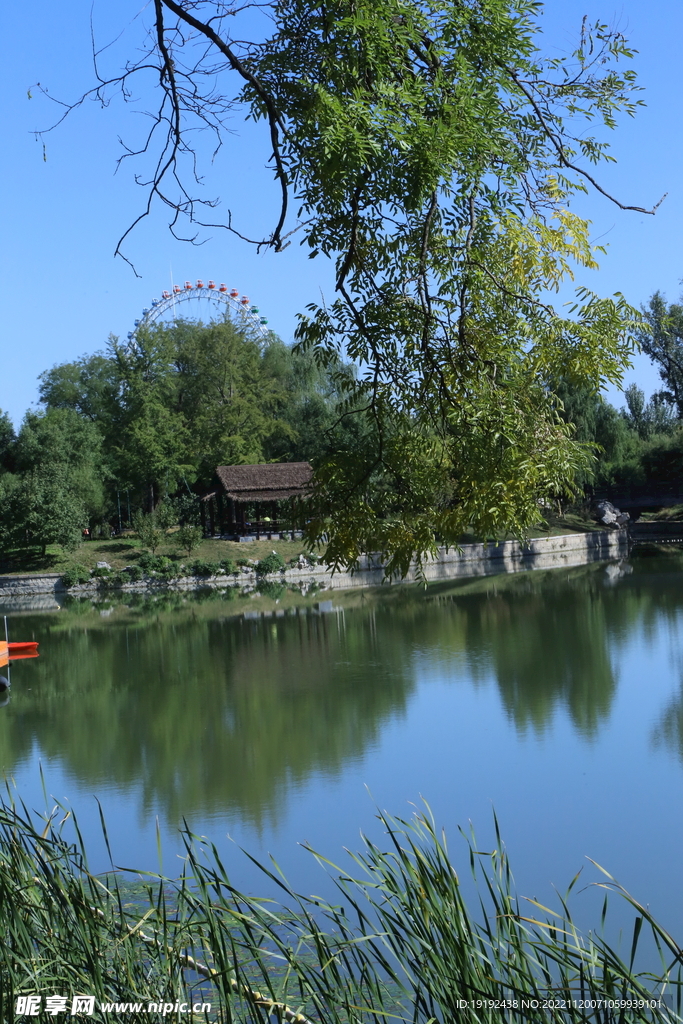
(141, 427)
(638, 449)
(129, 428)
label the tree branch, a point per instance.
(560, 150)
(274, 118)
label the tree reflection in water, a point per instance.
(204, 708)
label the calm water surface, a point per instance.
(555, 698)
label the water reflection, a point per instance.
(669, 731)
(218, 703)
(205, 713)
(548, 648)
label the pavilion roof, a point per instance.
(273, 481)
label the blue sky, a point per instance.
(62, 290)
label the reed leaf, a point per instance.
(400, 945)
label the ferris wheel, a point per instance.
(238, 309)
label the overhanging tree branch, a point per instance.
(275, 120)
(562, 153)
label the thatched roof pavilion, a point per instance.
(235, 487)
(274, 481)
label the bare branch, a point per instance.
(275, 120)
(561, 152)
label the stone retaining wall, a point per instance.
(510, 556)
(471, 560)
(21, 586)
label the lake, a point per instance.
(555, 698)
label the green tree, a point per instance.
(599, 427)
(186, 509)
(40, 509)
(58, 488)
(662, 462)
(229, 400)
(188, 537)
(148, 529)
(89, 386)
(151, 445)
(65, 445)
(8, 522)
(44, 511)
(655, 416)
(7, 443)
(189, 396)
(432, 152)
(314, 420)
(662, 340)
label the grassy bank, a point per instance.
(672, 513)
(399, 944)
(126, 550)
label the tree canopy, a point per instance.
(431, 151)
(187, 397)
(662, 339)
(59, 483)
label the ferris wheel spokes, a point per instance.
(240, 310)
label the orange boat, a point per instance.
(28, 649)
(17, 651)
(13, 652)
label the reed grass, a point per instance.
(401, 944)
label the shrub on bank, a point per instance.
(130, 574)
(153, 563)
(201, 567)
(157, 567)
(101, 572)
(170, 571)
(75, 575)
(271, 563)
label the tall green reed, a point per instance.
(401, 944)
